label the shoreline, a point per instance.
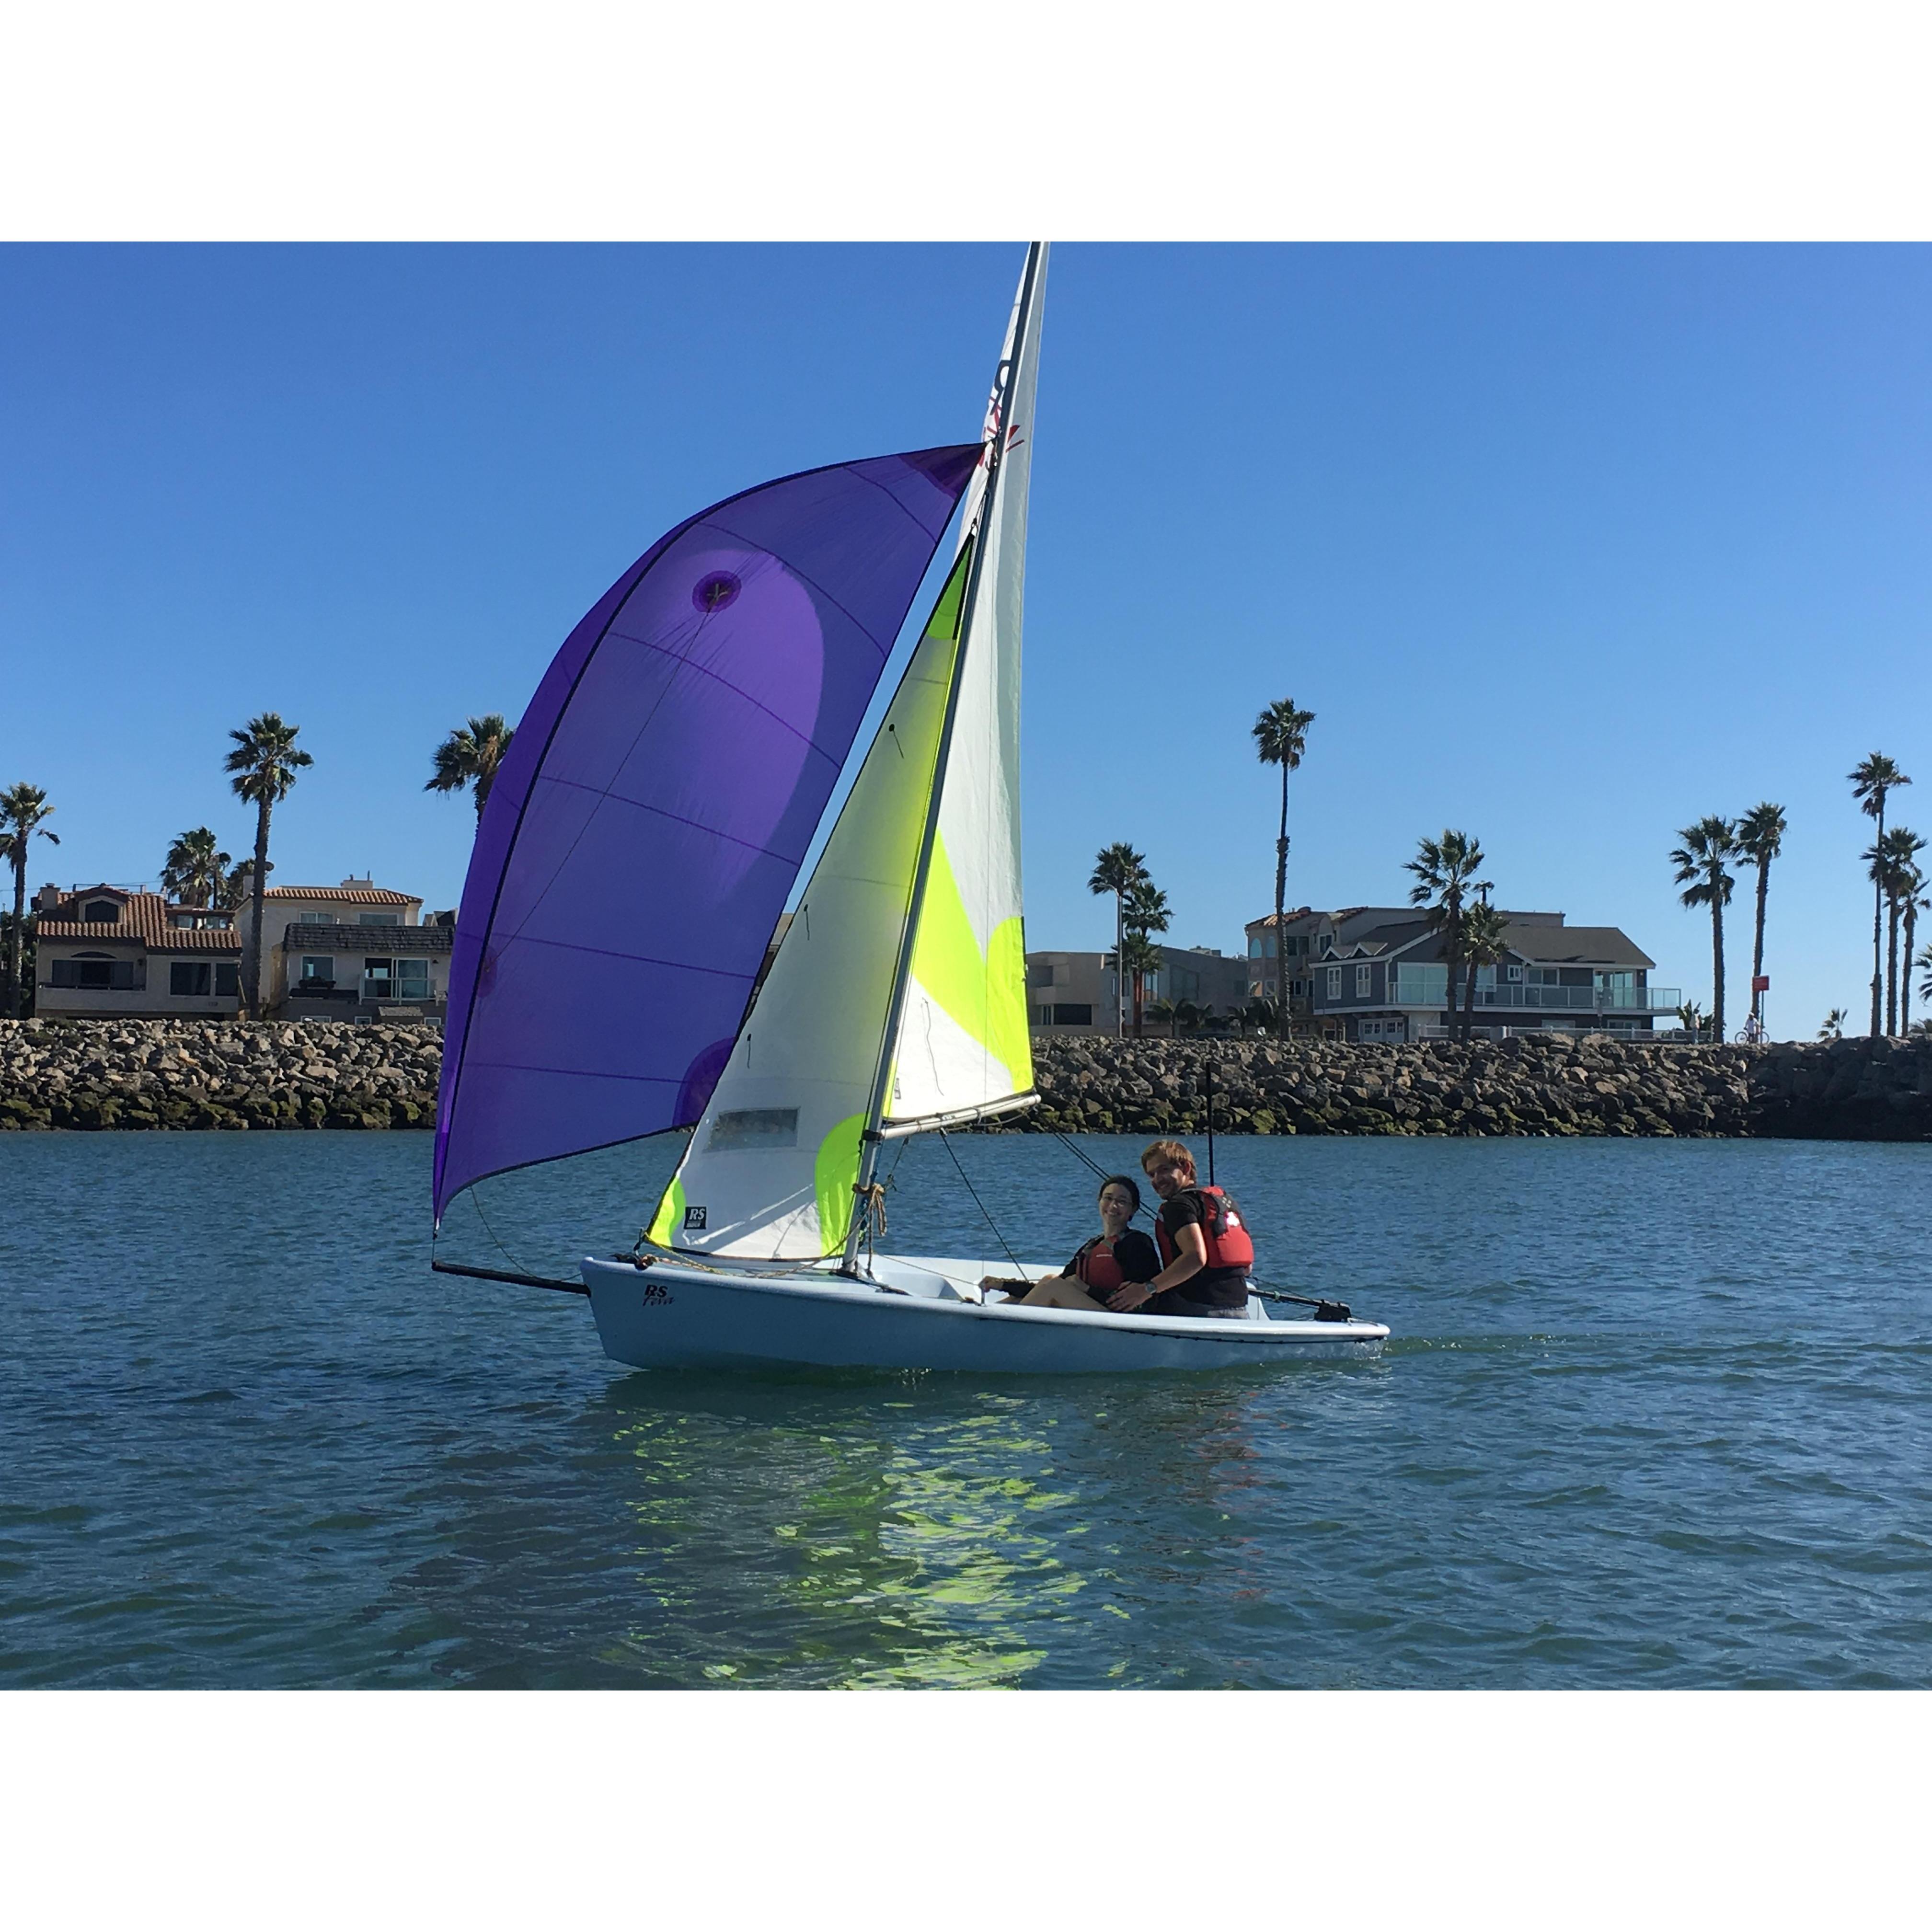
(182, 1075)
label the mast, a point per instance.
(871, 1138)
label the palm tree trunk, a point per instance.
(19, 858)
(1878, 901)
(1757, 938)
(1905, 984)
(1449, 964)
(251, 975)
(1469, 1001)
(1717, 968)
(1891, 967)
(1138, 984)
(1281, 904)
(1120, 964)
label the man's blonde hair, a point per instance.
(1165, 1150)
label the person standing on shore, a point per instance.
(1205, 1248)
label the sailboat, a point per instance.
(610, 977)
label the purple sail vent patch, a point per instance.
(716, 591)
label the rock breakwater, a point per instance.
(233, 1075)
(1557, 1084)
(236, 1075)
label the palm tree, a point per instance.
(1923, 963)
(1165, 1009)
(1690, 1017)
(1870, 782)
(1281, 737)
(1916, 902)
(1894, 862)
(1485, 943)
(472, 758)
(1445, 871)
(1699, 861)
(1833, 1027)
(1117, 868)
(195, 868)
(1760, 838)
(1260, 1014)
(265, 762)
(24, 812)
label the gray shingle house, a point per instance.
(1378, 973)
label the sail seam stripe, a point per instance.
(584, 1073)
(639, 959)
(675, 817)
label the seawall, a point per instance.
(236, 1075)
(1842, 1090)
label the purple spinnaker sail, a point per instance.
(656, 803)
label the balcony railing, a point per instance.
(1413, 989)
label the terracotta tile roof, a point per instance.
(345, 894)
(143, 920)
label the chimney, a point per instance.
(47, 899)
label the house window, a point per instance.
(1334, 983)
(378, 981)
(1515, 975)
(94, 974)
(102, 912)
(189, 978)
(412, 979)
(378, 919)
(1362, 982)
(315, 919)
(318, 969)
(1065, 1014)
(227, 980)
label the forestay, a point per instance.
(652, 813)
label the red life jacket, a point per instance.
(1098, 1269)
(1222, 1228)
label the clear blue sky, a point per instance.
(1564, 546)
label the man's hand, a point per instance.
(1129, 1296)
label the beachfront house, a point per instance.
(1378, 973)
(116, 953)
(1075, 992)
(354, 951)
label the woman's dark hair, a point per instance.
(1121, 1181)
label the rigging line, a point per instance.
(476, 1196)
(1081, 1154)
(946, 1142)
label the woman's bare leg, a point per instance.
(1060, 1290)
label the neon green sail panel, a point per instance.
(770, 1170)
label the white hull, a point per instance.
(926, 1315)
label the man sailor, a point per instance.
(1205, 1248)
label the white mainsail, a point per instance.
(863, 1023)
(962, 1044)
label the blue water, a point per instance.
(1656, 1413)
